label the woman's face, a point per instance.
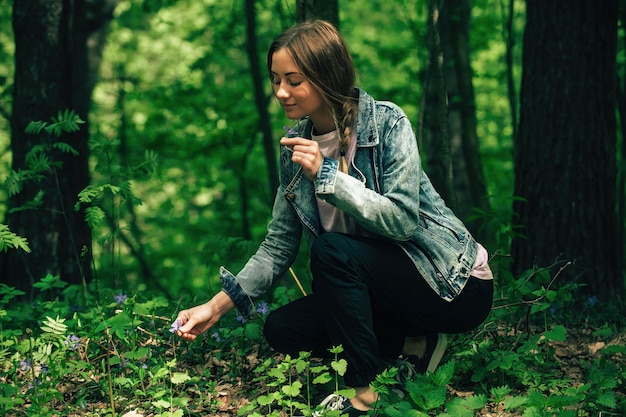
(295, 92)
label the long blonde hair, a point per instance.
(321, 54)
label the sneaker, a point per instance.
(410, 365)
(435, 347)
(340, 403)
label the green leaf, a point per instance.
(161, 404)
(347, 392)
(292, 390)
(322, 378)
(180, 377)
(9, 240)
(265, 400)
(340, 366)
(511, 403)
(54, 326)
(607, 399)
(499, 393)
(475, 402)
(137, 354)
(65, 147)
(558, 333)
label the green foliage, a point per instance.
(9, 240)
(38, 160)
(66, 122)
(118, 349)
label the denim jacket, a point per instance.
(385, 191)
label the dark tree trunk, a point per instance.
(565, 152)
(318, 9)
(469, 178)
(434, 134)
(53, 71)
(260, 98)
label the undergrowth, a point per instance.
(117, 353)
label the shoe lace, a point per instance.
(331, 403)
(406, 371)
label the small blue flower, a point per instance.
(175, 326)
(120, 298)
(592, 301)
(215, 335)
(72, 341)
(25, 365)
(290, 131)
(553, 309)
(44, 368)
(262, 308)
(241, 319)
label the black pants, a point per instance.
(368, 297)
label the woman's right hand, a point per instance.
(198, 319)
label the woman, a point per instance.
(393, 268)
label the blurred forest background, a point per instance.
(517, 105)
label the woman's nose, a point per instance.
(281, 92)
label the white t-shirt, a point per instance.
(333, 219)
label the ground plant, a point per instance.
(117, 354)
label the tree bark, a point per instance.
(565, 152)
(260, 99)
(53, 71)
(318, 9)
(467, 163)
(435, 135)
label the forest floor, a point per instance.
(580, 348)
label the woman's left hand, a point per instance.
(307, 153)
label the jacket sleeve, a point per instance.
(271, 260)
(389, 208)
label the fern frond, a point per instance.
(94, 216)
(65, 147)
(35, 128)
(54, 326)
(9, 240)
(66, 121)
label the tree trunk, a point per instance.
(54, 70)
(260, 99)
(565, 164)
(434, 134)
(318, 9)
(469, 178)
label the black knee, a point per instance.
(272, 330)
(326, 250)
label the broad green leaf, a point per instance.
(180, 377)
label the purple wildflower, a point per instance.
(241, 319)
(120, 298)
(175, 326)
(215, 335)
(291, 132)
(262, 308)
(25, 365)
(72, 341)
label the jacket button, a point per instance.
(291, 196)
